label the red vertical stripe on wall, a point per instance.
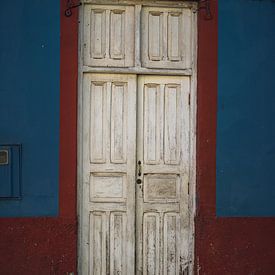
(68, 111)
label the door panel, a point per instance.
(109, 154)
(108, 35)
(166, 37)
(162, 219)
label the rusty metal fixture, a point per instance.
(205, 5)
(71, 5)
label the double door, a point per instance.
(135, 174)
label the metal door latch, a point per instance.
(139, 168)
(139, 174)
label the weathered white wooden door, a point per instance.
(136, 75)
(162, 223)
(125, 194)
(109, 157)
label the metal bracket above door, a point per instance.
(71, 5)
(205, 5)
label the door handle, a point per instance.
(139, 168)
(139, 174)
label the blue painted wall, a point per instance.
(246, 108)
(29, 101)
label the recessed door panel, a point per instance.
(108, 35)
(166, 37)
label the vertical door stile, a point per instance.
(139, 187)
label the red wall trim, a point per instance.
(222, 245)
(68, 111)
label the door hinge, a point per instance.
(189, 99)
